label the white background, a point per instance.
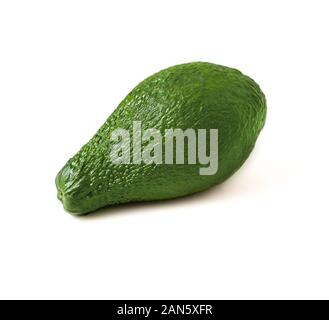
(65, 66)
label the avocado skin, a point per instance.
(193, 95)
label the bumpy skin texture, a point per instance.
(193, 95)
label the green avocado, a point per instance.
(198, 97)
